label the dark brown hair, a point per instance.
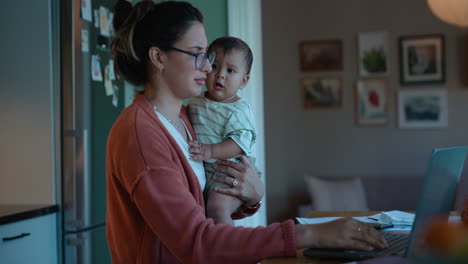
(143, 26)
(232, 43)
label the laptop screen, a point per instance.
(436, 198)
(439, 189)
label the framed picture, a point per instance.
(422, 59)
(321, 92)
(374, 51)
(423, 108)
(321, 55)
(372, 102)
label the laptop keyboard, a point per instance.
(397, 244)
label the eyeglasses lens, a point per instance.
(203, 57)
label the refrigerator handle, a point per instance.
(86, 178)
(74, 241)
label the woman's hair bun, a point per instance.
(125, 13)
(122, 10)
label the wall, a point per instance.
(26, 152)
(215, 17)
(326, 142)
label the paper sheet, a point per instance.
(366, 219)
(397, 218)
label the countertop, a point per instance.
(10, 213)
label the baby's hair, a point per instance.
(147, 25)
(231, 43)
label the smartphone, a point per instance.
(379, 226)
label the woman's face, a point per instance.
(179, 72)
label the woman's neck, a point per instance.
(166, 103)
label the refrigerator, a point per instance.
(90, 105)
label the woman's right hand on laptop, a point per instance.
(346, 233)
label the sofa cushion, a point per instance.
(344, 194)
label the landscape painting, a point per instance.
(321, 92)
(423, 108)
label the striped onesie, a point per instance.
(214, 122)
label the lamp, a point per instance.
(454, 12)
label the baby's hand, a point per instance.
(199, 151)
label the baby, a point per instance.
(222, 121)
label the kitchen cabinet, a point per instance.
(32, 240)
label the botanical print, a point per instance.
(372, 102)
(373, 53)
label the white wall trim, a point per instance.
(244, 22)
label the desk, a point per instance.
(300, 258)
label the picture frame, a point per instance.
(321, 55)
(374, 53)
(322, 92)
(422, 59)
(423, 108)
(372, 102)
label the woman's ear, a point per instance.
(155, 55)
(245, 80)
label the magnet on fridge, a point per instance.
(103, 23)
(86, 10)
(96, 18)
(84, 41)
(111, 70)
(115, 100)
(107, 81)
(96, 74)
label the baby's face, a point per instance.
(227, 77)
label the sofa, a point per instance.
(379, 194)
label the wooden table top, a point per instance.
(300, 258)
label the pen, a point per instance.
(371, 218)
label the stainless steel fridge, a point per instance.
(88, 112)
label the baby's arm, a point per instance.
(223, 150)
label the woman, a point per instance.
(155, 207)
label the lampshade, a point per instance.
(454, 12)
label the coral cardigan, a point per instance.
(155, 207)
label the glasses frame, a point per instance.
(205, 57)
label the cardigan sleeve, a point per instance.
(180, 223)
(245, 211)
(165, 201)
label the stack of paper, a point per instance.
(400, 220)
(397, 218)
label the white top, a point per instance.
(197, 165)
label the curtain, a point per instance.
(244, 22)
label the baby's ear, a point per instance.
(245, 80)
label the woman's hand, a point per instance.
(244, 181)
(342, 233)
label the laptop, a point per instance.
(437, 197)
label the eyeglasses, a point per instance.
(200, 58)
